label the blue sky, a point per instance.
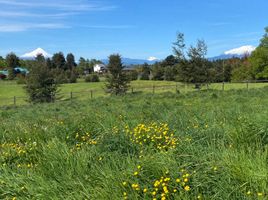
(133, 28)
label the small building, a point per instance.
(17, 70)
(100, 68)
(20, 70)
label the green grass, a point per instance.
(81, 149)
(82, 90)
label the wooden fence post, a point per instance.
(222, 86)
(14, 100)
(153, 89)
(71, 95)
(91, 94)
(132, 90)
(247, 85)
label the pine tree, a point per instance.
(40, 84)
(117, 81)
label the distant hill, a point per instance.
(131, 61)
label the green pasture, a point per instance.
(195, 145)
(83, 90)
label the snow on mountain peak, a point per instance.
(241, 50)
(152, 58)
(35, 53)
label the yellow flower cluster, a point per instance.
(163, 188)
(156, 135)
(83, 139)
(17, 154)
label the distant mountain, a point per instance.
(235, 53)
(32, 55)
(131, 61)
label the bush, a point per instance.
(92, 78)
(40, 85)
(132, 75)
(73, 78)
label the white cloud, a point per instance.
(67, 5)
(47, 14)
(15, 14)
(109, 26)
(25, 27)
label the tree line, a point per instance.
(188, 65)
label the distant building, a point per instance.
(100, 68)
(17, 70)
(20, 70)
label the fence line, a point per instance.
(90, 94)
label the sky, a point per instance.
(132, 28)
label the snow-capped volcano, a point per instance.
(235, 53)
(152, 58)
(35, 53)
(244, 50)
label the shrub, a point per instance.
(40, 85)
(132, 75)
(73, 78)
(145, 76)
(92, 78)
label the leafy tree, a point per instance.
(3, 63)
(40, 58)
(158, 72)
(145, 72)
(197, 66)
(170, 61)
(49, 63)
(12, 61)
(86, 66)
(259, 58)
(58, 61)
(117, 82)
(194, 69)
(40, 84)
(170, 73)
(179, 47)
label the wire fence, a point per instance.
(154, 89)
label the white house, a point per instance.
(99, 68)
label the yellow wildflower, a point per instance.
(187, 188)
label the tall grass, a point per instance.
(87, 149)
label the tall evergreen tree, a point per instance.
(117, 82)
(70, 62)
(58, 61)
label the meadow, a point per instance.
(82, 90)
(197, 145)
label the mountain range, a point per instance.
(233, 53)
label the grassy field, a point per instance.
(195, 145)
(82, 90)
